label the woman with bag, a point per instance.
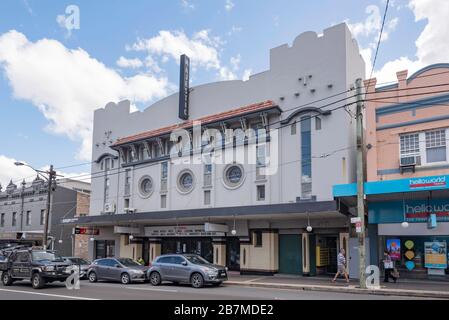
(389, 267)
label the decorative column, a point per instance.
(155, 249)
(219, 247)
(305, 254)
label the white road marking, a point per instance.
(48, 294)
(252, 280)
(152, 289)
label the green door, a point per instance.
(290, 255)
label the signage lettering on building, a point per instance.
(180, 231)
(427, 182)
(184, 88)
(87, 231)
(421, 212)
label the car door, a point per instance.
(165, 267)
(101, 268)
(114, 269)
(180, 272)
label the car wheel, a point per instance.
(6, 279)
(197, 280)
(93, 277)
(37, 281)
(125, 279)
(155, 278)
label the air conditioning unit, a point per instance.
(410, 161)
(130, 210)
(109, 207)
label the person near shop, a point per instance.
(141, 261)
(341, 266)
(388, 267)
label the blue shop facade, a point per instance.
(409, 218)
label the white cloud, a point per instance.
(226, 74)
(67, 85)
(234, 30)
(201, 48)
(129, 63)
(431, 46)
(246, 74)
(187, 4)
(229, 5)
(235, 62)
(369, 30)
(10, 171)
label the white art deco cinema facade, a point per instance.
(239, 170)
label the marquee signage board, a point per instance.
(180, 231)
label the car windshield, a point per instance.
(45, 256)
(79, 261)
(128, 262)
(197, 260)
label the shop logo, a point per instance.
(421, 212)
(427, 182)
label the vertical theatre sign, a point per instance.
(184, 88)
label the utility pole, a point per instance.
(360, 181)
(51, 177)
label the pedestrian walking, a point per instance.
(388, 267)
(341, 266)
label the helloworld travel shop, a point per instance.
(410, 218)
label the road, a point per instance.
(116, 291)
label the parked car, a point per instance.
(124, 270)
(82, 264)
(186, 268)
(38, 265)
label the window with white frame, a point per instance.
(409, 145)
(436, 146)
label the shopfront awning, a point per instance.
(312, 208)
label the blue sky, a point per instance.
(45, 111)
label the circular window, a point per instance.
(233, 176)
(146, 186)
(185, 181)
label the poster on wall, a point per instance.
(394, 247)
(435, 255)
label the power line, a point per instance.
(380, 38)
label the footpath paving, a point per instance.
(404, 287)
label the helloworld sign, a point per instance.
(428, 182)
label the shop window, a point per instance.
(28, 218)
(42, 217)
(293, 129)
(306, 158)
(409, 145)
(258, 238)
(207, 200)
(317, 123)
(261, 193)
(163, 201)
(436, 146)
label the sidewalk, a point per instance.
(404, 287)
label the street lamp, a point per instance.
(50, 177)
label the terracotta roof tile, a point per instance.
(204, 120)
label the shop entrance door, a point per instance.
(233, 253)
(200, 246)
(104, 249)
(290, 254)
(327, 254)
